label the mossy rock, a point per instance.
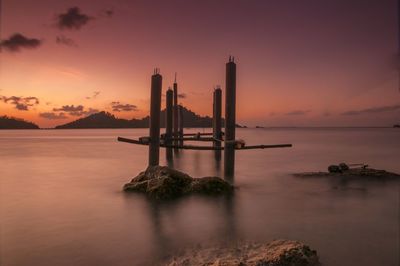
(161, 183)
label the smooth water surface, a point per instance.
(61, 201)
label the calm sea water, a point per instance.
(61, 201)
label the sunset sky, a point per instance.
(299, 63)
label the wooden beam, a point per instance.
(192, 147)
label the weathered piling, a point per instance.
(230, 118)
(155, 108)
(169, 117)
(217, 110)
(217, 107)
(169, 125)
(181, 124)
(176, 110)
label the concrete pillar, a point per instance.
(169, 125)
(217, 123)
(230, 118)
(176, 110)
(168, 113)
(181, 123)
(155, 109)
(217, 107)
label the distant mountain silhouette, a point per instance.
(15, 123)
(107, 120)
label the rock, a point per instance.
(275, 253)
(210, 185)
(354, 173)
(344, 167)
(334, 169)
(161, 182)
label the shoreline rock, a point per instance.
(162, 183)
(354, 173)
(275, 253)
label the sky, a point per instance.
(299, 63)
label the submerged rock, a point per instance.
(275, 253)
(161, 182)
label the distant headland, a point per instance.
(16, 123)
(107, 120)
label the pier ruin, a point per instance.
(174, 137)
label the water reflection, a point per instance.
(161, 241)
(169, 157)
(172, 232)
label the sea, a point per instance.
(61, 198)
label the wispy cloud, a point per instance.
(182, 95)
(108, 13)
(90, 111)
(73, 110)
(69, 108)
(298, 112)
(63, 40)
(53, 115)
(17, 41)
(374, 110)
(94, 96)
(21, 103)
(119, 107)
(72, 19)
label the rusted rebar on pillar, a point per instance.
(155, 108)
(230, 118)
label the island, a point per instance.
(16, 123)
(107, 120)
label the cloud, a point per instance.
(182, 95)
(61, 39)
(94, 96)
(298, 112)
(327, 113)
(108, 13)
(374, 110)
(91, 111)
(18, 41)
(69, 108)
(53, 116)
(20, 103)
(73, 19)
(118, 107)
(73, 110)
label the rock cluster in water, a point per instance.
(161, 182)
(275, 253)
(343, 170)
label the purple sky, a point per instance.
(300, 63)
